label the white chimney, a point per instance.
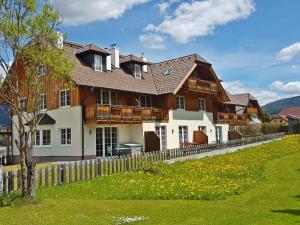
(145, 67)
(108, 62)
(60, 40)
(115, 56)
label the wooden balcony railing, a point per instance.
(231, 118)
(202, 86)
(252, 110)
(124, 114)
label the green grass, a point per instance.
(274, 198)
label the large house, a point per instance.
(124, 102)
(288, 116)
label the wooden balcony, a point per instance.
(123, 114)
(202, 86)
(252, 110)
(232, 119)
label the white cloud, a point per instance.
(163, 6)
(288, 53)
(77, 12)
(152, 41)
(200, 18)
(263, 96)
(288, 88)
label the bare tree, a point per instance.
(29, 39)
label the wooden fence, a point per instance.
(59, 174)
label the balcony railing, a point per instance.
(231, 118)
(252, 110)
(125, 114)
(202, 86)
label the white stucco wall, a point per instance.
(67, 117)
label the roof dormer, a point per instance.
(95, 57)
(134, 65)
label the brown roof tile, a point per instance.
(92, 48)
(291, 111)
(128, 58)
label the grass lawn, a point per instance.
(260, 186)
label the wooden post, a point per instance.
(64, 173)
(113, 166)
(18, 179)
(100, 167)
(10, 181)
(104, 167)
(70, 173)
(4, 178)
(81, 170)
(108, 167)
(96, 168)
(75, 172)
(58, 174)
(85, 169)
(52, 175)
(46, 177)
(91, 169)
(40, 171)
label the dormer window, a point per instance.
(42, 70)
(137, 71)
(98, 62)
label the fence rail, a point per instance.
(59, 174)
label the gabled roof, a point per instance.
(116, 79)
(290, 112)
(131, 58)
(278, 116)
(180, 69)
(240, 99)
(92, 48)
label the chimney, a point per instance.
(60, 40)
(115, 56)
(145, 67)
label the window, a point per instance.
(65, 98)
(202, 104)
(98, 63)
(219, 137)
(65, 136)
(202, 128)
(43, 102)
(161, 132)
(23, 104)
(42, 70)
(42, 138)
(105, 97)
(180, 102)
(137, 71)
(144, 101)
(183, 135)
(168, 72)
(106, 141)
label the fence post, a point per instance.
(108, 167)
(18, 180)
(70, 173)
(52, 175)
(40, 182)
(85, 169)
(91, 169)
(1, 180)
(75, 172)
(100, 167)
(96, 167)
(46, 177)
(81, 170)
(58, 174)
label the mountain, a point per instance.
(275, 107)
(4, 115)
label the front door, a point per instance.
(106, 141)
(161, 132)
(219, 137)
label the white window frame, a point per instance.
(181, 134)
(98, 68)
(41, 131)
(219, 134)
(110, 97)
(148, 104)
(42, 70)
(60, 137)
(65, 99)
(43, 101)
(200, 128)
(202, 102)
(159, 132)
(137, 74)
(179, 106)
(24, 109)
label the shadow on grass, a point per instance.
(295, 212)
(297, 196)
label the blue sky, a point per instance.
(254, 45)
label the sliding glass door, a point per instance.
(106, 141)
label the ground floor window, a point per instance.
(42, 138)
(65, 136)
(219, 137)
(106, 140)
(161, 132)
(183, 135)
